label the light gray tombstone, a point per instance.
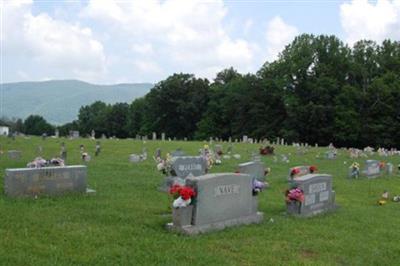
(163, 136)
(74, 134)
(245, 138)
(185, 139)
(154, 137)
(372, 169)
(135, 158)
(254, 169)
(318, 195)
(103, 136)
(14, 155)
(177, 153)
(93, 134)
(330, 155)
(389, 168)
(45, 181)
(223, 200)
(57, 133)
(138, 137)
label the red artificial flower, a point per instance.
(313, 169)
(382, 165)
(187, 193)
(295, 171)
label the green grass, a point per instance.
(123, 223)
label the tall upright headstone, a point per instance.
(154, 137)
(163, 136)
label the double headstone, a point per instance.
(45, 181)
(318, 195)
(222, 200)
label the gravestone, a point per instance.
(182, 167)
(245, 138)
(318, 195)
(177, 153)
(389, 168)
(93, 134)
(303, 170)
(74, 134)
(254, 169)
(57, 133)
(223, 200)
(330, 155)
(45, 181)
(14, 155)
(154, 137)
(135, 158)
(218, 149)
(163, 136)
(372, 169)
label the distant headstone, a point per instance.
(154, 136)
(45, 181)
(57, 133)
(254, 169)
(389, 168)
(135, 158)
(177, 153)
(245, 138)
(14, 155)
(93, 134)
(222, 200)
(318, 195)
(372, 169)
(163, 136)
(74, 134)
(330, 155)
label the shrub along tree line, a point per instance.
(319, 90)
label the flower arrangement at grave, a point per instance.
(258, 186)
(355, 170)
(295, 171)
(182, 195)
(267, 150)
(382, 165)
(209, 157)
(294, 195)
(313, 169)
(384, 198)
(164, 165)
(39, 162)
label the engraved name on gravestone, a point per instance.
(254, 169)
(318, 194)
(189, 165)
(47, 181)
(222, 200)
(372, 168)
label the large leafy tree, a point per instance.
(37, 125)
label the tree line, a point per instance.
(319, 90)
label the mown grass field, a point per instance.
(123, 223)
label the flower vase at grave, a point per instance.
(293, 207)
(182, 216)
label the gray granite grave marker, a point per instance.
(254, 169)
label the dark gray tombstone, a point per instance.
(184, 166)
(74, 134)
(222, 200)
(318, 195)
(14, 155)
(372, 169)
(254, 169)
(45, 181)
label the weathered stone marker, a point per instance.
(372, 169)
(318, 195)
(254, 169)
(51, 181)
(14, 155)
(189, 165)
(223, 200)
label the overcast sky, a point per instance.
(106, 41)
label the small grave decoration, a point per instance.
(267, 150)
(182, 195)
(384, 198)
(164, 165)
(295, 171)
(396, 198)
(258, 186)
(39, 162)
(355, 170)
(382, 165)
(85, 157)
(313, 169)
(208, 155)
(294, 195)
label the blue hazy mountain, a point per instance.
(58, 101)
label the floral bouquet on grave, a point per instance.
(355, 169)
(382, 165)
(258, 186)
(39, 162)
(313, 169)
(294, 195)
(295, 171)
(165, 165)
(182, 195)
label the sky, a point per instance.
(110, 41)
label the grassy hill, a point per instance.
(58, 101)
(123, 223)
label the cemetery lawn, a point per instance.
(123, 223)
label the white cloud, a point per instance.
(361, 19)
(279, 34)
(187, 35)
(51, 44)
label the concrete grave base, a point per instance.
(295, 213)
(217, 226)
